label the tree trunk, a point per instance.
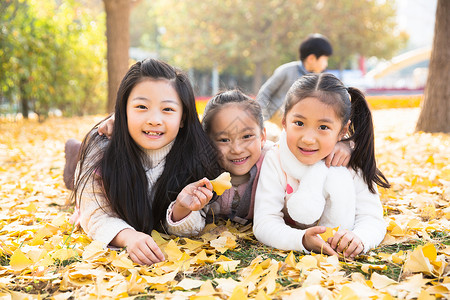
(257, 78)
(24, 99)
(435, 113)
(118, 43)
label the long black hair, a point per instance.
(349, 104)
(119, 168)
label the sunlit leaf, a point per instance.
(19, 261)
(330, 232)
(221, 183)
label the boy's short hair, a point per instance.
(316, 44)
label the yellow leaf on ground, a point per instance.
(290, 260)
(262, 296)
(223, 243)
(367, 267)
(93, 250)
(420, 260)
(307, 262)
(206, 289)
(59, 220)
(159, 240)
(381, 281)
(63, 254)
(122, 261)
(238, 294)
(189, 284)
(19, 261)
(221, 183)
(192, 245)
(227, 266)
(163, 279)
(268, 282)
(173, 253)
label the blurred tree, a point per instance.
(118, 43)
(435, 113)
(366, 28)
(144, 30)
(257, 36)
(49, 57)
(252, 35)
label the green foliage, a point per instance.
(360, 28)
(254, 34)
(52, 57)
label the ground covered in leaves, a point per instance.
(42, 256)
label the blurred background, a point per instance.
(55, 54)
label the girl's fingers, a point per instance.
(346, 161)
(208, 193)
(329, 159)
(344, 243)
(327, 249)
(351, 250)
(334, 241)
(155, 249)
(134, 258)
(208, 185)
(201, 197)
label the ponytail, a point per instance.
(362, 134)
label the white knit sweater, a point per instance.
(95, 214)
(364, 217)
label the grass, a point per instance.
(249, 250)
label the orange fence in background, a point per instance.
(395, 101)
(375, 102)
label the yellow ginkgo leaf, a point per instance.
(420, 260)
(328, 233)
(221, 183)
(19, 261)
(238, 293)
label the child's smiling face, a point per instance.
(312, 130)
(238, 137)
(154, 113)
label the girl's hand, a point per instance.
(313, 242)
(140, 246)
(340, 156)
(193, 197)
(347, 243)
(106, 127)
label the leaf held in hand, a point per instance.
(221, 183)
(328, 233)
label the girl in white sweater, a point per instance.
(158, 155)
(297, 196)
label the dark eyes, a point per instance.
(223, 140)
(321, 127)
(145, 107)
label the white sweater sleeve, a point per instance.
(190, 225)
(369, 226)
(269, 226)
(96, 216)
